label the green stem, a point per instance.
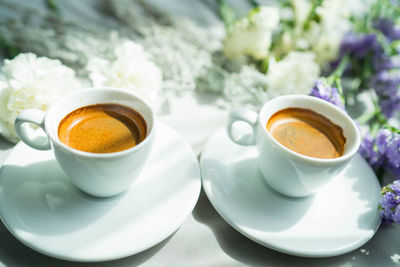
(226, 13)
(375, 128)
(340, 89)
(338, 72)
(335, 78)
(366, 117)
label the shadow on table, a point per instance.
(14, 253)
(4, 144)
(377, 252)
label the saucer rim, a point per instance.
(295, 252)
(120, 255)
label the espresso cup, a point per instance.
(97, 174)
(286, 171)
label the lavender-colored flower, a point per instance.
(395, 187)
(396, 215)
(389, 205)
(358, 46)
(382, 151)
(382, 140)
(386, 206)
(386, 84)
(370, 153)
(361, 48)
(393, 152)
(387, 63)
(386, 78)
(328, 93)
(389, 107)
(388, 28)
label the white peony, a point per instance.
(31, 82)
(294, 74)
(251, 36)
(131, 69)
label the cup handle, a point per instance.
(28, 135)
(247, 116)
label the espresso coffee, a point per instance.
(307, 132)
(102, 128)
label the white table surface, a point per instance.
(204, 239)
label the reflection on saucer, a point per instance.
(340, 218)
(42, 209)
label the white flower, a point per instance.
(31, 82)
(301, 10)
(251, 36)
(359, 8)
(131, 69)
(326, 46)
(294, 74)
(325, 37)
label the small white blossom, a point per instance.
(301, 10)
(130, 69)
(251, 36)
(325, 37)
(294, 74)
(31, 82)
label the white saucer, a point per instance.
(338, 219)
(41, 208)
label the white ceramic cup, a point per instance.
(288, 172)
(98, 174)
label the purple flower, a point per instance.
(328, 93)
(370, 153)
(396, 215)
(364, 51)
(389, 205)
(395, 187)
(393, 152)
(387, 63)
(359, 46)
(383, 151)
(382, 139)
(386, 84)
(388, 28)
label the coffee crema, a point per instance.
(102, 128)
(307, 132)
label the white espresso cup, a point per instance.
(286, 171)
(97, 174)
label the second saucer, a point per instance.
(340, 218)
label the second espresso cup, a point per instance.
(286, 171)
(98, 174)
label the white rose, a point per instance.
(251, 36)
(31, 82)
(131, 69)
(294, 74)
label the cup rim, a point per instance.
(86, 154)
(350, 153)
